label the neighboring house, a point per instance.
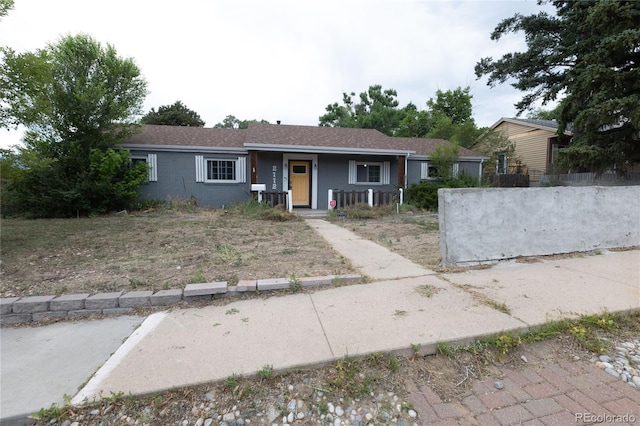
(218, 166)
(535, 144)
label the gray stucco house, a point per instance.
(218, 166)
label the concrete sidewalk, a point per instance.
(40, 365)
(191, 346)
(407, 305)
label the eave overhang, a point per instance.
(180, 148)
(314, 149)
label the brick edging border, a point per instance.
(18, 310)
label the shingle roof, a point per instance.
(423, 146)
(317, 136)
(288, 135)
(188, 136)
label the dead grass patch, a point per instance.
(157, 250)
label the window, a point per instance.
(367, 173)
(152, 163)
(501, 164)
(299, 169)
(218, 170)
(428, 171)
(221, 170)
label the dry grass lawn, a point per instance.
(156, 250)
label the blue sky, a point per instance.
(284, 60)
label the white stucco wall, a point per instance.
(486, 224)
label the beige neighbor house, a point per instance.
(535, 146)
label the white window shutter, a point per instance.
(199, 168)
(352, 172)
(455, 169)
(424, 170)
(152, 162)
(386, 173)
(241, 170)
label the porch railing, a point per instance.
(275, 198)
(340, 198)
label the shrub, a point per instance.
(424, 195)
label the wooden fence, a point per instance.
(586, 179)
(274, 198)
(509, 180)
(345, 198)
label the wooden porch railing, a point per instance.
(345, 198)
(274, 198)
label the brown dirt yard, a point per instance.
(157, 250)
(164, 249)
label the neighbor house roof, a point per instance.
(283, 138)
(551, 125)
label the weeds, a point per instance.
(394, 364)
(138, 283)
(427, 290)
(443, 348)
(232, 381)
(197, 278)
(294, 284)
(502, 307)
(337, 281)
(228, 254)
(415, 347)
(54, 412)
(349, 378)
(265, 372)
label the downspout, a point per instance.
(406, 170)
(480, 171)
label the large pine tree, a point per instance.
(588, 54)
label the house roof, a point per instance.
(284, 138)
(551, 125)
(187, 136)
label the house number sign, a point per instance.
(274, 173)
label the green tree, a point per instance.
(443, 157)
(545, 114)
(454, 104)
(464, 134)
(588, 52)
(377, 109)
(415, 123)
(231, 122)
(173, 115)
(77, 100)
(448, 116)
(5, 6)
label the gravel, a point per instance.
(624, 364)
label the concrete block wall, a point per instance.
(16, 310)
(489, 224)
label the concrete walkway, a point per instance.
(406, 305)
(190, 346)
(369, 258)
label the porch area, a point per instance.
(337, 199)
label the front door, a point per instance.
(300, 182)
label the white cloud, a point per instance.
(284, 60)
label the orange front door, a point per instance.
(300, 181)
